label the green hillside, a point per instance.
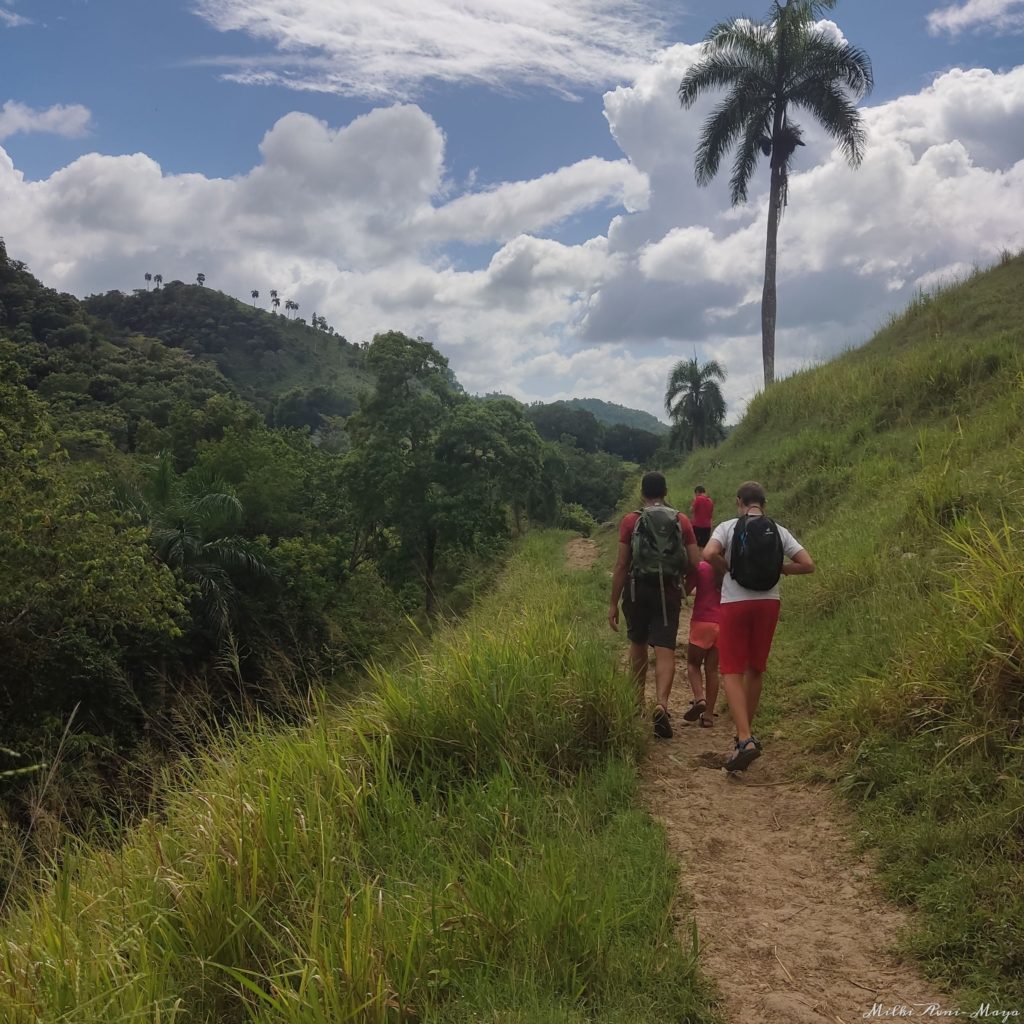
(289, 369)
(611, 414)
(900, 665)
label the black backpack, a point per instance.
(756, 556)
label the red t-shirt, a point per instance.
(703, 509)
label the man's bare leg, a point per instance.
(752, 683)
(638, 662)
(664, 670)
(736, 693)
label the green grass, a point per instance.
(461, 845)
(901, 467)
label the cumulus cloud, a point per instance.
(998, 15)
(938, 190)
(71, 121)
(357, 222)
(352, 47)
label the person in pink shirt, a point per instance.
(702, 648)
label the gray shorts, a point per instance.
(644, 618)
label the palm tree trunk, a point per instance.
(768, 297)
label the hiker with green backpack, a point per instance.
(657, 548)
(750, 551)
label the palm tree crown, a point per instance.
(693, 400)
(770, 69)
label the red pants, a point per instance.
(745, 638)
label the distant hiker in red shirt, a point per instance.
(702, 649)
(751, 554)
(656, 549)
(701, 511)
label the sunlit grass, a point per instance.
(460, 845)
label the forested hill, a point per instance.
(177, 540)
(612, 414)
(296, 372)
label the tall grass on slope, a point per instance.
(936, 747)
(900, 465)
(460, 847)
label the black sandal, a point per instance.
(695, 711)
(745, 754)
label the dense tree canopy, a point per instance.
(203, 504)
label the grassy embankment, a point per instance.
(461, 845)
(901, 467)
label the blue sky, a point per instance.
(529, 121)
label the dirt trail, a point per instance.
(580, 553)
(793, 929)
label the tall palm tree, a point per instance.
(149, 277)
(200, 279)
(158, 279)
(771, 68)
(255, 295)
(275, 301)
(693, 400)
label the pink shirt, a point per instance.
(708, 595)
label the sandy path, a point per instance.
(580, 553)
(792, 927)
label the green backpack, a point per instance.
(657, 548)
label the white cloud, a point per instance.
(11, 19)
(353, 222)
(72, 120)
(393, 48)
(999, 15)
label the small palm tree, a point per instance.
(148, 277)
(275, 301)
(770, 69)
(693, 400)
(200, 279)
(191, 526)
(158, 280)
(255, 295)
(289, 305)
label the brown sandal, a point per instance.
(707, 721)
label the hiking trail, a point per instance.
(793, 926)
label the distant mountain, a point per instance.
(610, 414)
(281, 364)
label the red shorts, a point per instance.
(745, 637)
